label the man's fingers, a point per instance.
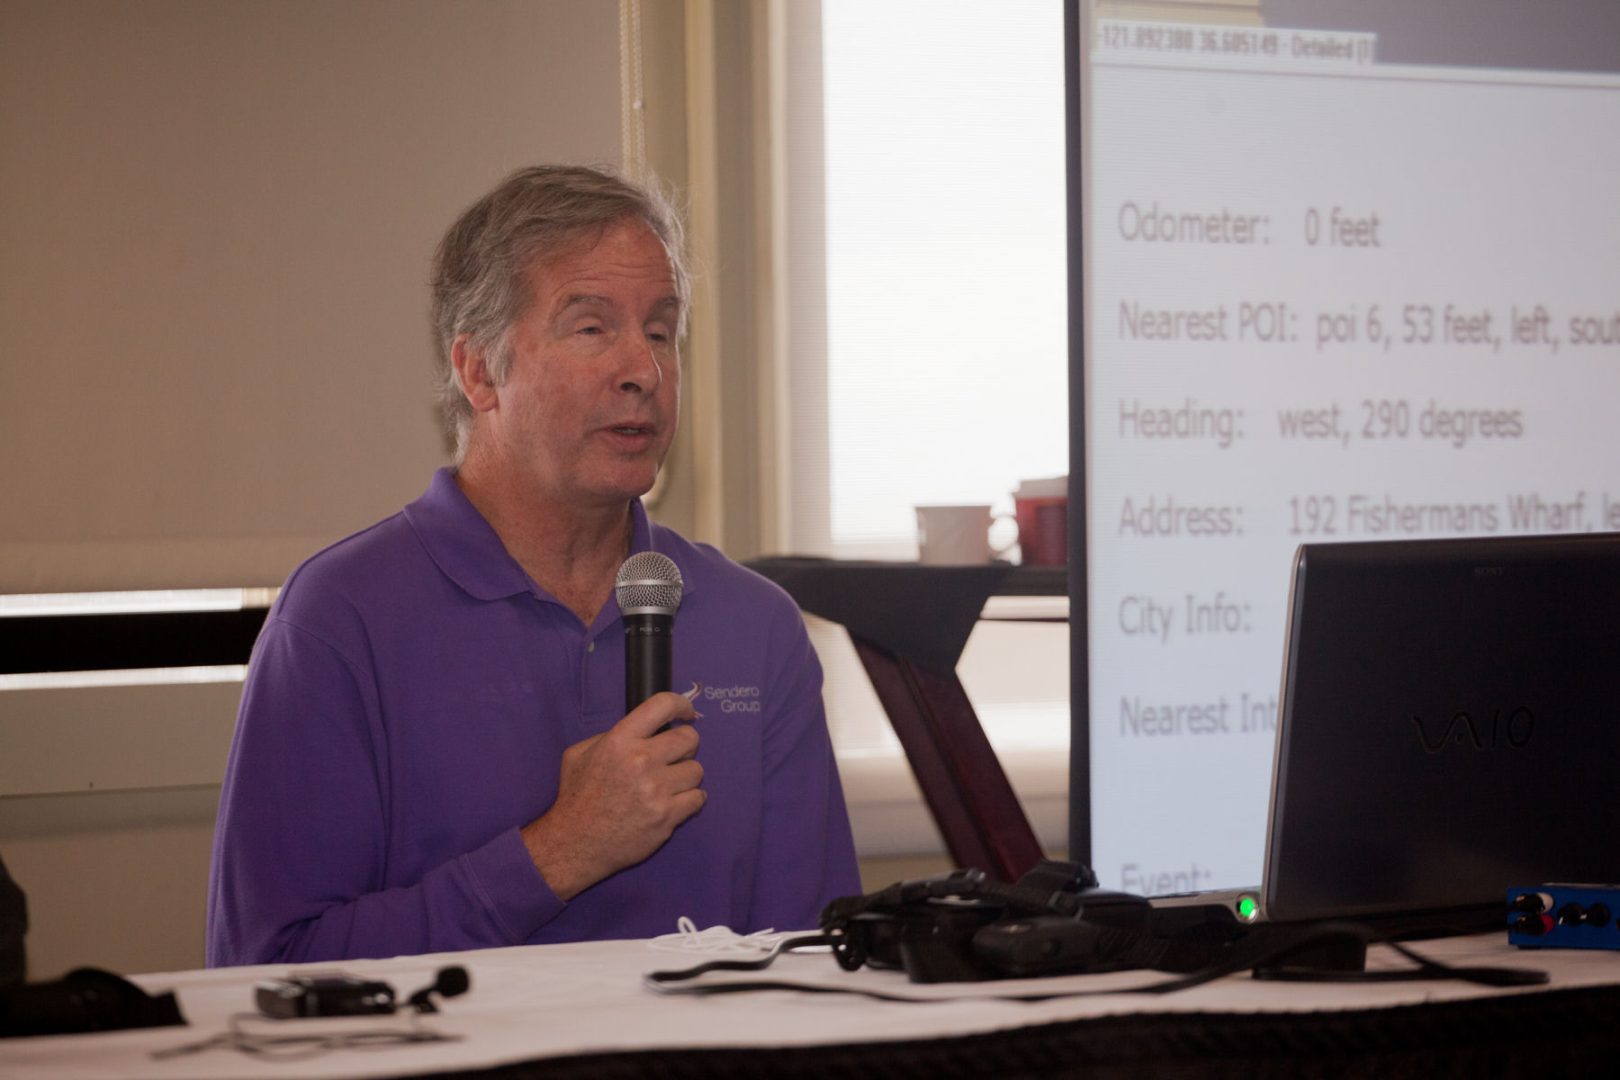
(679, 743)
(685, 775)
(688, 803)
(660, 709)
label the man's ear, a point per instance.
(470, 363)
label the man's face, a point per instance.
(588, 409)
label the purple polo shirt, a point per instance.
(404, 715)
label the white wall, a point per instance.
(217, 220)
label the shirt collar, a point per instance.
(468, 552)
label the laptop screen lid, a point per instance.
(1449, 725)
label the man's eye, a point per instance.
(589, 330)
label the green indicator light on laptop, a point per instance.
(1247, 908)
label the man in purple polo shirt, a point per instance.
(431, 752)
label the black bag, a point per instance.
(964, 927)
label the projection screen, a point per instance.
(1346, 271)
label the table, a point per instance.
(909, 624)
(582, 1010)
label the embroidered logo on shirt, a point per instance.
(731, 699)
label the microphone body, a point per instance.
(649, 651)
(648, 589)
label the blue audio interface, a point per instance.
(1564, 917)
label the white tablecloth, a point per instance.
(545, 1001)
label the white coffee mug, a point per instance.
(954, 536)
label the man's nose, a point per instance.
(640, 370)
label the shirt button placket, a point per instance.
(584, 689)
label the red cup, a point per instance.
(1041, 508)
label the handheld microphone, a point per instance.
(648, 588)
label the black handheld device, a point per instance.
(337, 993)
(330, 994)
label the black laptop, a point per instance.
(1449, 727)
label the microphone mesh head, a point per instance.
(648, 584)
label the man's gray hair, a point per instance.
(481, 270)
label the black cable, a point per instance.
(658, 979)
(1426, 969)
(280, 1044)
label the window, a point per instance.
(928, 306)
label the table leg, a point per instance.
(967, 792)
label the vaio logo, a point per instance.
(1509, 732)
